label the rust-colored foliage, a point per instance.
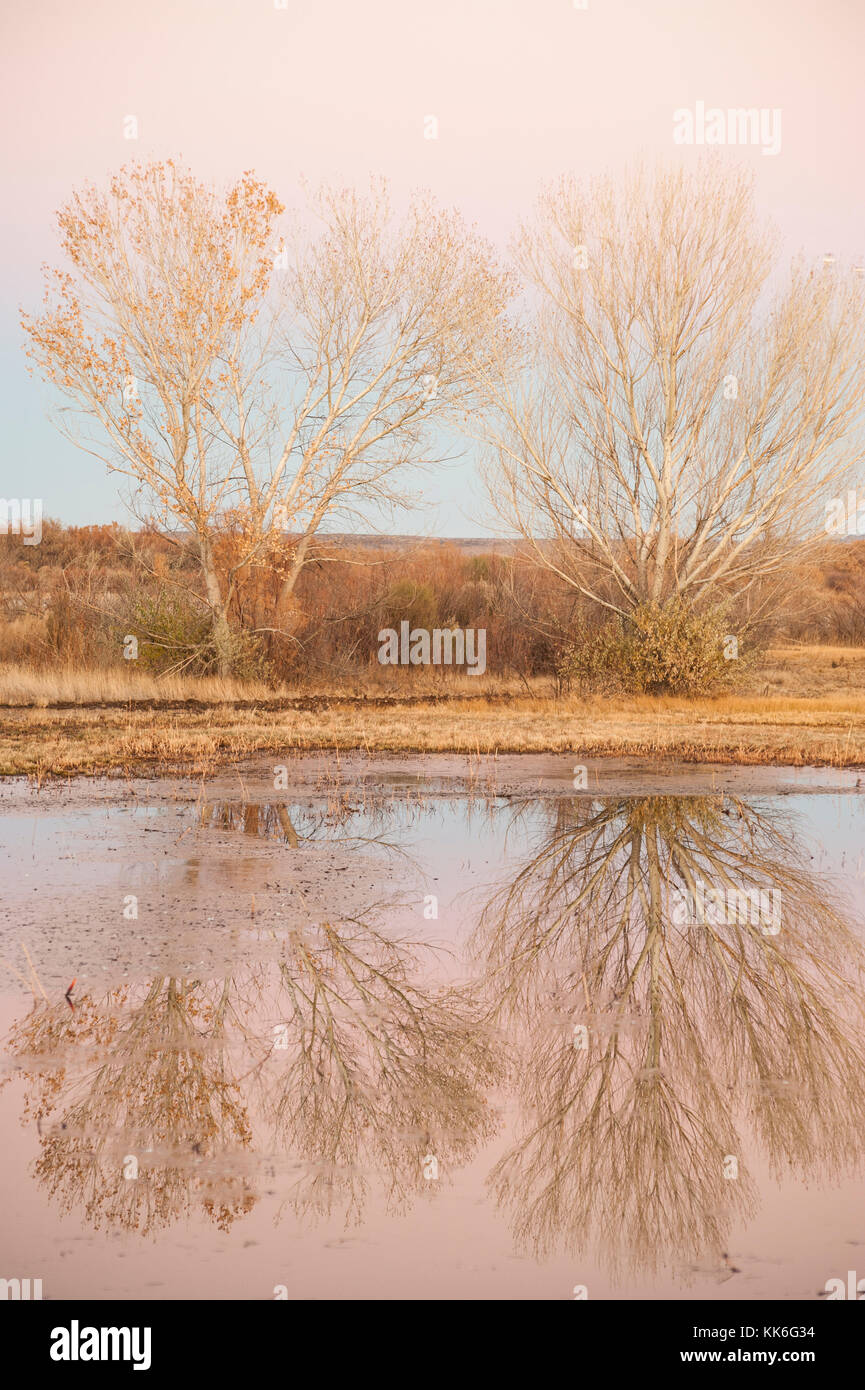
(71, 600)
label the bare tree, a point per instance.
(253, 382)
(681, 409)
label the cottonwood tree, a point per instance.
(252, 381)
(682, 408)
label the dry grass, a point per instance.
(810, 672)
(233, 720)
(20, 685)
(23, 685)
(86, 740)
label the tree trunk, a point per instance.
(288, 583)
(220, 629)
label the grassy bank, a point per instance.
(805, 706)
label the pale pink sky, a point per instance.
(522, 89)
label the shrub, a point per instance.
(412, 603)
(174, 634)
(659, 649)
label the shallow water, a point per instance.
(406, 1036)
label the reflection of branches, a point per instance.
(160, 1094)
(379, 1068)
(267, 821)
(50, 1038)
(690, 1024)
(293, 826)
(373, 1067)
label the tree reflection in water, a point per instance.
(696, 1032)
(336, 1064)
(341, 1055)
(143, 1073)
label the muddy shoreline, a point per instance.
(511, 775)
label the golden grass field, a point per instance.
(803, 706)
